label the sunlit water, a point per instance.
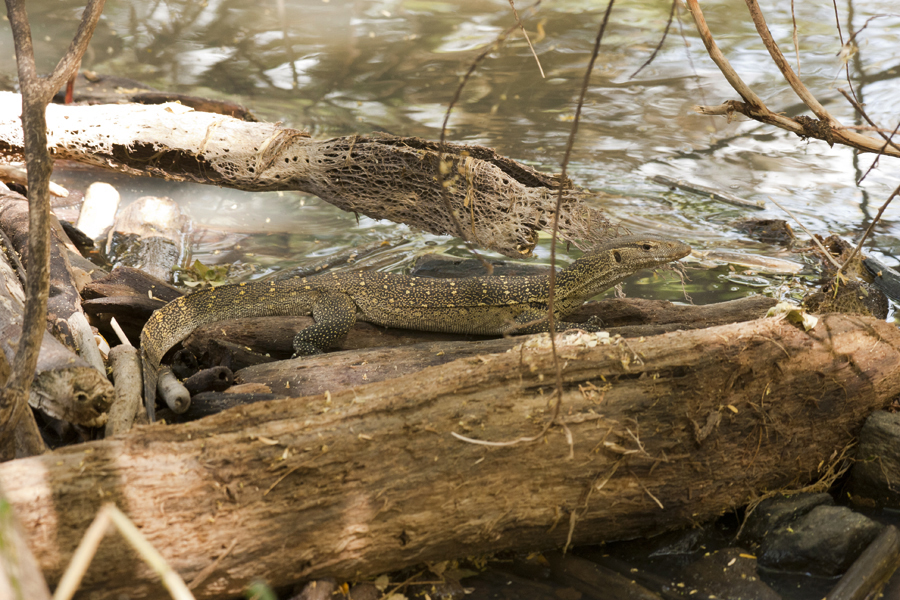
(338, 67)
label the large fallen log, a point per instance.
(502, 203)
(666, 431)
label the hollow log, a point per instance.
(503, 203)
(371, 479)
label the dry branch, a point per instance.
(826, 128)
(370, 479)
(503, 204)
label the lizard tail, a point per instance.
(178, 319)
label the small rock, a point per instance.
(364, 591)
(875, 477)
(825, 541)
(320, 589)
(775, 231)
(778, 512)
(728, 573)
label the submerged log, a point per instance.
(371, 479)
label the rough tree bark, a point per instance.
(666, 431)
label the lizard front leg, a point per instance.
(334, 314)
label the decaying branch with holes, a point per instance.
(501, 203)
(656, 433)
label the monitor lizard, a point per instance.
(488, 305)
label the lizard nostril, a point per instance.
(617, 256)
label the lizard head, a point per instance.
(635, 252)
(614, 260)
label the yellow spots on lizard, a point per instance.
(307, 288)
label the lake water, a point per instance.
(339, 67)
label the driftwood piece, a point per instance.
(129, 295)
(871, 570)
(371, 479)
(171, 391)
(125, 362)
(65, 386)
(629, 317)
(215, 379)
(98, 88)
(64, 299)
(503, 203)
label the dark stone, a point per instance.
(875, 477)
(778, 512)
(728, 573)
(825, 541)
(773, 231)
(320, 589)
(364, 591)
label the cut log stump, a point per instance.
(665, 431)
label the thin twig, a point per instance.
(855, 103)
(87, 548)
(878, 156)
(837, 21)
(794, 37)
(527, 39)
(211, 567)
(687, 53)
(36, 94)
(83, 556)
(753, 106)
(661, 41)
(551, 295)
(870, 227)
(814, 238)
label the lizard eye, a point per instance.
(648, 247)
(617, 256)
